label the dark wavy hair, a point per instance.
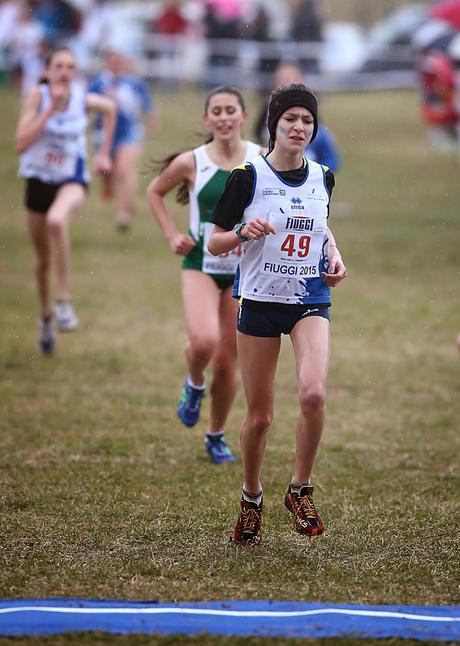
(182, 196)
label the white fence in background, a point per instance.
(249, 64)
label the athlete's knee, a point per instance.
(312, 397)
(204, 346)
(56, 225)
(124, 174)
(259, 421)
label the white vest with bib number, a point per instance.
(286, 267)
(60, 152)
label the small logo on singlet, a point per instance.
(274, 191)
(310, 311)
(296, 204)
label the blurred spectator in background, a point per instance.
(134, 104)
(172, 24)
(171, 21)
(96, 30)
(260, 30)
(448, 10)
(306, 27)
(27, 48)
(9, 16)
(59, 20)
(222, 21)
(323, 148)
(438, 80)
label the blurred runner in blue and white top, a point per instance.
(134, 105)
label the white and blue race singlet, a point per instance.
(132, 98)
(286, 267)
(59, 154)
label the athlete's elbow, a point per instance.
(20, 145)
(109, 107)
(213, 246)
(150, 192)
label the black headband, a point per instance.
(291, 98)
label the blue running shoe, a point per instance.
(188, 408)
(218, 449)
(45, 334)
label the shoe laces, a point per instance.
(193, 397)
(219, 444)
(306, 505)
(249, 519)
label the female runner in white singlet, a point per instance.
(278, 207)
(51, 140)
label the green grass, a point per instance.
(104, 495)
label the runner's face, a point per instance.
(294, 129)
(61, 68)
(114, 63)
(224, 116)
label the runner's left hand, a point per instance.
(102, 163)
(336, 269)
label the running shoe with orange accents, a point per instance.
(307, 519)
(248, 526)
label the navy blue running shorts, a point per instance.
(274, 319)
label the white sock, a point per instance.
(190, 383)
(253, 497)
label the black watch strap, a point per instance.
(237, 229)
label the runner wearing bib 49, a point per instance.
(279, 205)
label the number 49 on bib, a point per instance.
(289, 245)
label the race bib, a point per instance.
(295, 249)
(226, 263)
(57, 160)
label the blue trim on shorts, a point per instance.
(80, 176)
(264, 319)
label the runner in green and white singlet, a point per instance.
(204, 195)
(209, 309)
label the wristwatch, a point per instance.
(237, 229)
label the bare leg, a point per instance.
(224, 363)
(201, 298)
(107, 185)
(68, 199)
(258, 357)
(125, 180)
(38, 232)
(310, 339)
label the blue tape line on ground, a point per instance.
(239, 618)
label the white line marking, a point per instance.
(228, 613)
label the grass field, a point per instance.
(105, 495)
